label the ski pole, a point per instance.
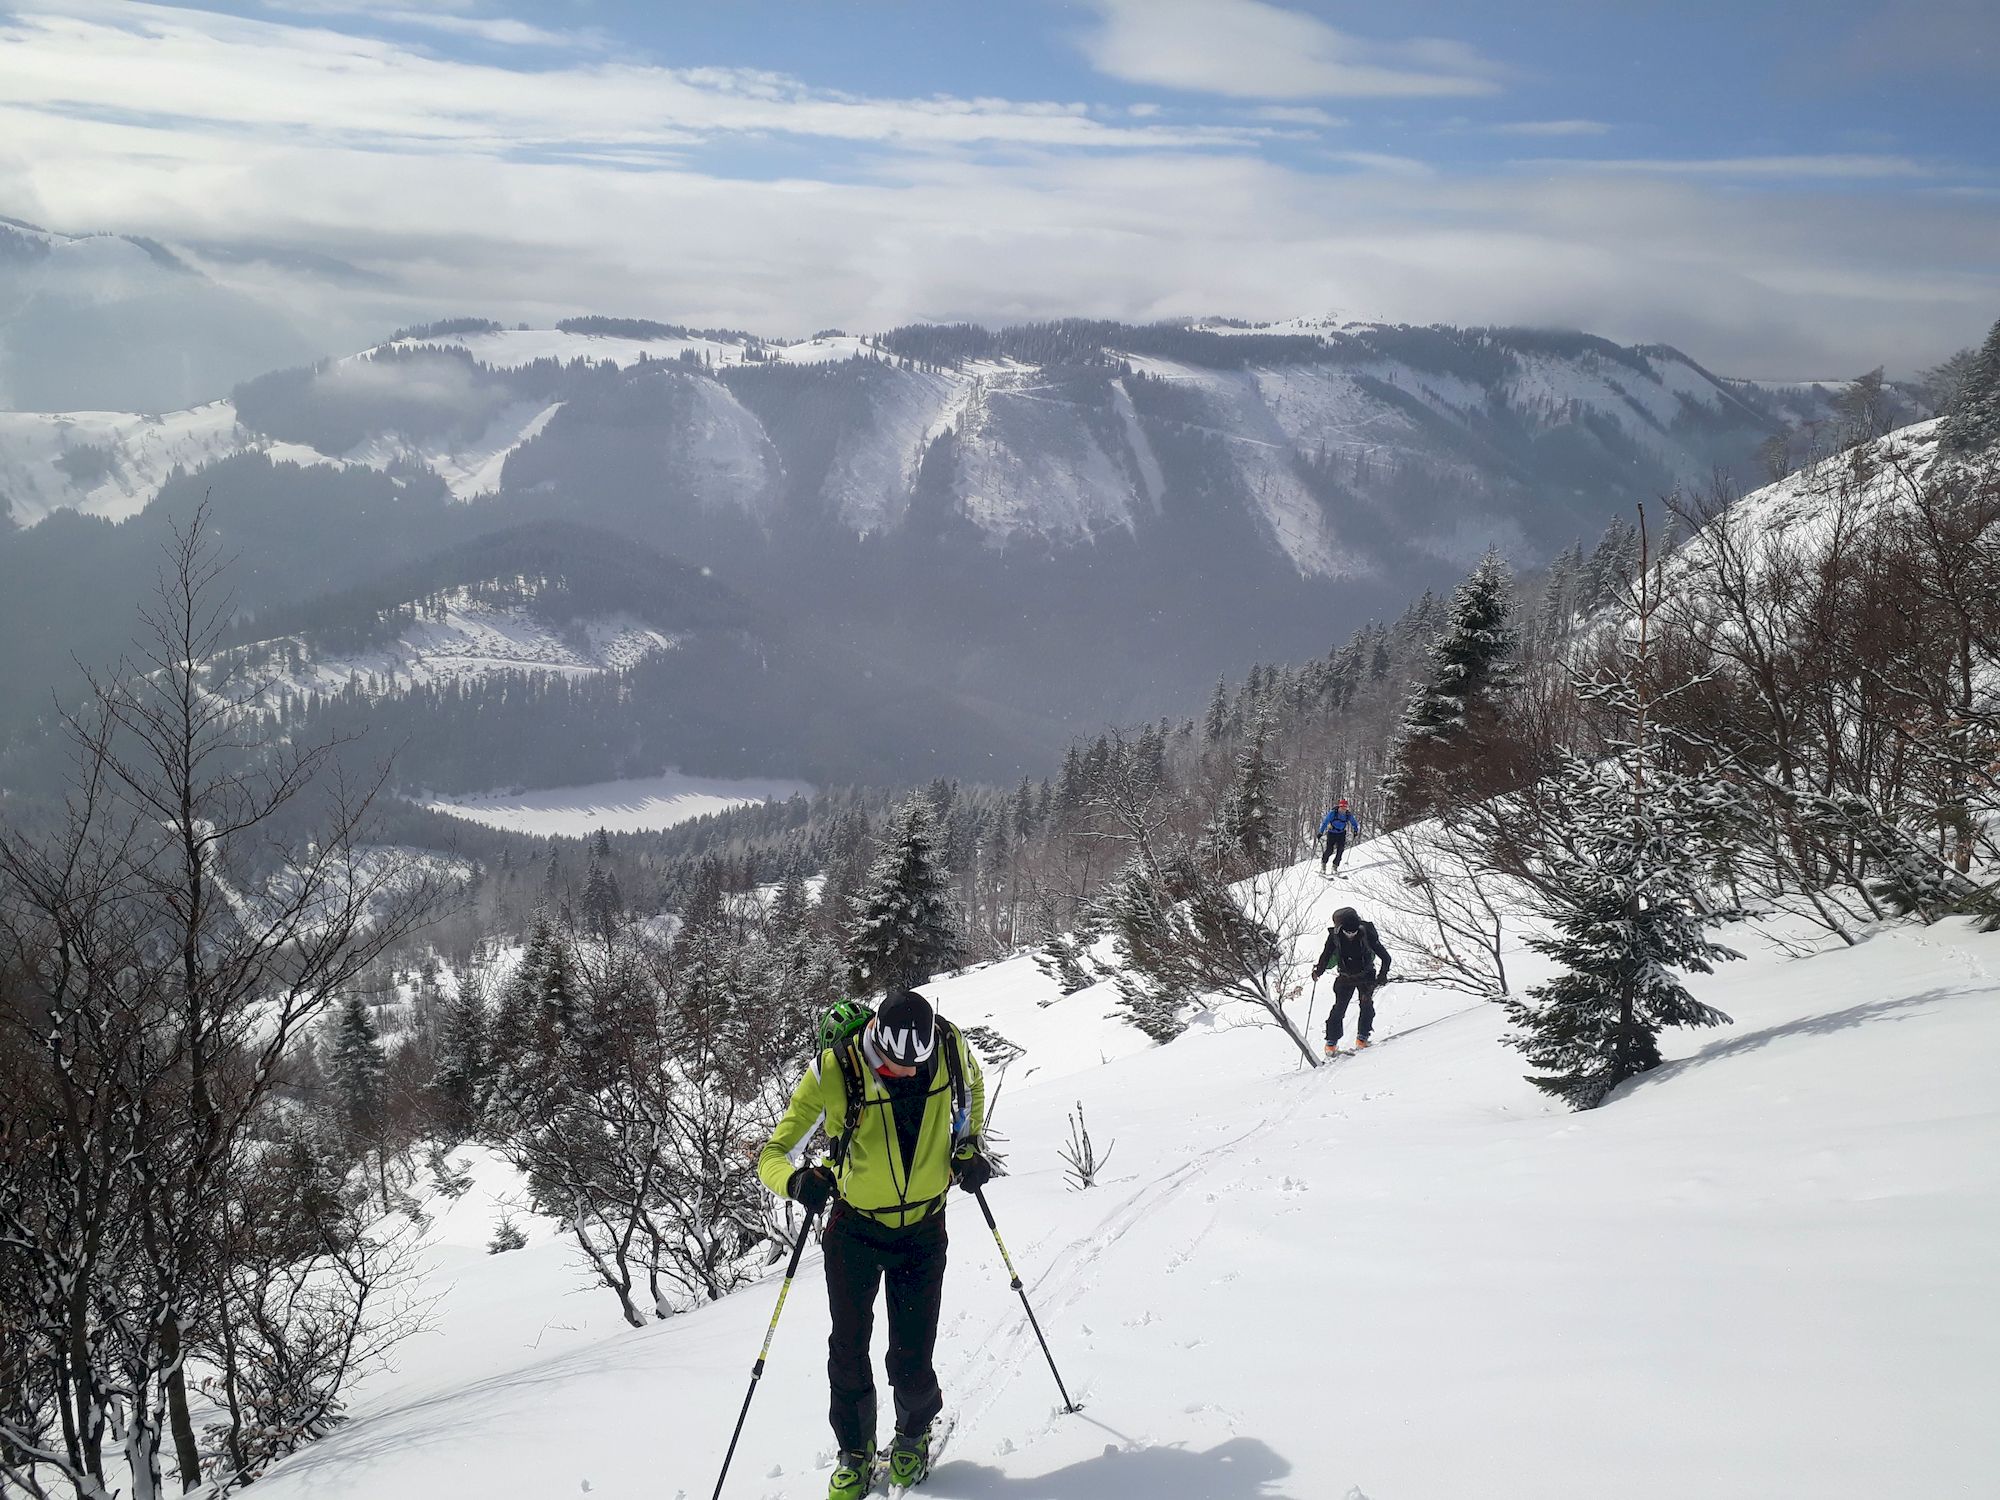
(757, 1370)
(1008, 1261)
(1311, 1000)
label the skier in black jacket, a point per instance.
(1353, 948)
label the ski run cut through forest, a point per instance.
(1766, 1272)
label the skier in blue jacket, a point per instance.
(1334, 828)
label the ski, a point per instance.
(940, 1435)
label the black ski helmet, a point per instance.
(906, 1029)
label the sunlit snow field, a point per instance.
(629, 806)
(1766, 1270)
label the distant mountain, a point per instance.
(1047, 526)
(121, 322)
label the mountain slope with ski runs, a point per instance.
(1053, 524)
(1763, 1270)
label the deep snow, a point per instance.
(630, 806)
(1764, 1270)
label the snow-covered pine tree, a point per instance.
(1621, 877)
(905, 924)
(1245, 826)
(537, 1018)
(602, 901)
(1972, 417)
(1141, 917)
(1451, 713)
(463, 1059)
(356, 1067)
(1216, 724)
(1616, 853)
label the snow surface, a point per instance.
(1262, 445)
(138, 454)
(629, 806)
(469, 469)
(471, 638)
(1765, 1270)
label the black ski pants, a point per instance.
(860, 1256)
(1345, 988)
(1336, 846)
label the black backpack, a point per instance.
(1354, 956)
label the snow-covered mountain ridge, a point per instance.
(1762, 1270)
(1325, 438)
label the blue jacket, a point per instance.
(1338, 822)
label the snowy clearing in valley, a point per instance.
(637, 805)
(465, 637)
(1764, 1270)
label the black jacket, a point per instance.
(1352, 956)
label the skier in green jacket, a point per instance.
(896, 1147)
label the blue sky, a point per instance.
(1781, 190)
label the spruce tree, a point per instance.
(1622, 880)
(1245, 827)
(1617, 854)
(1216, 724)
(905, 924)
(602, 901)
(356, 1068)
(462, 1060)
(1453, 711)
(1972, 417)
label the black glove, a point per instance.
(1317, 971)
(972, 1171)
(1383, 977)
(811, 1186)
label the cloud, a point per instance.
(1382, 161)
(89, 57)
(1296, 114)
(1550, 127)
(1248, 49)
(1849, 166)
(452, 17)
(212, 130)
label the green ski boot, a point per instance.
(909, 1461)
(855, 1476)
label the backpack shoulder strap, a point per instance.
(954, 1066)
(852, 1091)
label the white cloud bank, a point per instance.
(471, 187)
(1247, 49)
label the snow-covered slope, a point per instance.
(1337, 445)
(1764, 1270)
(108, 464)
(629, 806)
(465, 636)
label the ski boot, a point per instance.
(909, 1460)
(1361, 1042)
(854, 1477)
(1332, 1049)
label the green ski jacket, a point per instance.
(870, 1177)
